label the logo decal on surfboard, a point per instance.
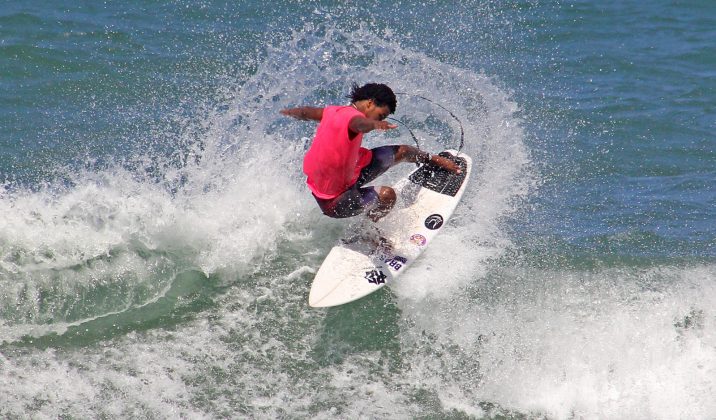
(375, 277)
(418, 239)
(396, 262)
(434, 221)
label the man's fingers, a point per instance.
(386, 126)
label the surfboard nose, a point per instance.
(314, 300)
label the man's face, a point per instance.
(375, 112)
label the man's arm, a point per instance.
(304, 113)
(365, 125)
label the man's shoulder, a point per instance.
(341, 113)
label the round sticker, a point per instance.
(418, 239)
(434, 221)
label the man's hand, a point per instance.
(383, 125)
(366, 125)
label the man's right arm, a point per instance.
(304, 113)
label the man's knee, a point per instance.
(387, 196)
(386, 201)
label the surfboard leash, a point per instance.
(452, 114)
(415, 139)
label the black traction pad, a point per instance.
(440, 180)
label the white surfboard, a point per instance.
(355, 268)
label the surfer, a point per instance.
(337, 166)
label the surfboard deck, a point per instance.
(363, 262)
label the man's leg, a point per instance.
(376, 202)
(412, 154)
(351, 203)
(383, 158)
(386, 201)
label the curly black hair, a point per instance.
(381, 94)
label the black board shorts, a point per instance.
(358, 199)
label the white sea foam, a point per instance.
(607, 344)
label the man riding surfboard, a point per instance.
(337, 167)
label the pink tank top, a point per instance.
(334, 161)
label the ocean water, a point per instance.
(157, 241)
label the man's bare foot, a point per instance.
(446, 164)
